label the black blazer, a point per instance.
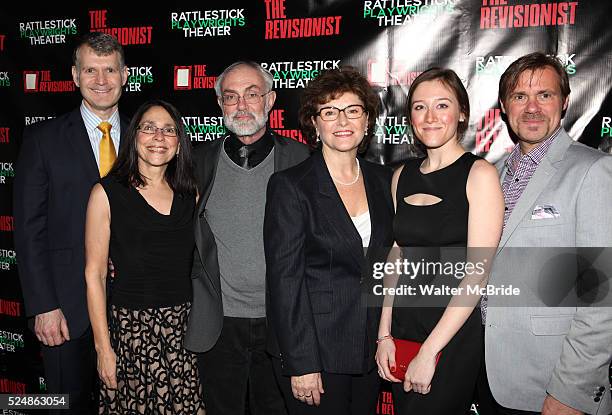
(317, 272)
(206, 315)
(56, 170)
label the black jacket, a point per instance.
(317, 272)
(56, 170)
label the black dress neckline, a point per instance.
(151, 208)
(443, 168)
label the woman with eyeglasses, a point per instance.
(321, 217)
(141, 215)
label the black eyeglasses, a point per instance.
(332, 113)
(249, 98)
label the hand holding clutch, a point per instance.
(414, 368)
(420, 373)
(385, 359)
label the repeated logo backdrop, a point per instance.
(176, 53)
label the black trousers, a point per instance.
(344, 394)
(71, 368)
(237, 371)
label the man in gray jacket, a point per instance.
(558, 193)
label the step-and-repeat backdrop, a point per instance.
(176, 52)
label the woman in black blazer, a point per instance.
(321, 216)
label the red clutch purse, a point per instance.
(405, 351)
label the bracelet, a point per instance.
(380, 339)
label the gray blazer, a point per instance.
(563, 351)
(206, 316)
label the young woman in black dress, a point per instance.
(450, 198)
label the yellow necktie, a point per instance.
(107, 149)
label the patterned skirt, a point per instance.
(155, 374)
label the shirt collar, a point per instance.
(262, 146)
(536, 155)
(92, 121)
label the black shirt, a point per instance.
(152, 253)
(257, 151)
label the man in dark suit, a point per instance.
(59, 162)
(227, 322)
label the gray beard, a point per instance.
(245, 128)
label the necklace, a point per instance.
(352, 182)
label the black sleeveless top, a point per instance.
(444, 224)
(152, 253)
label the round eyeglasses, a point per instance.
(332, 113)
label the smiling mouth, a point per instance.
(343, 133)
(157, 149)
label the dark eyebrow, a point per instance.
(437, 99)
(541, 91)
(153, 123)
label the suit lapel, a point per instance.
(79, 140)
(283, 158)
(375, 206)
(124, 128)
(537, 184)
(333, 207)
(206, 170)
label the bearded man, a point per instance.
(227, 324)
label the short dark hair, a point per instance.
(102, 44)
(330, 84)
(532, 62)
(179, 173)
(450, 79)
